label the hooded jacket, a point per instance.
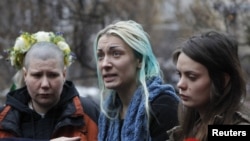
(72, 116)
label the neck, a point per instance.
(202, 111)
(125, 96)
(126, 93)
(125, 99)
(41, 111)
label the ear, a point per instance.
(139, 63)
(24, 73)
(64, 72)
(226, 79)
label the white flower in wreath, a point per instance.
(20, 45)
(43, 36)
(64, 47)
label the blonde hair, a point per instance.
(131, 33)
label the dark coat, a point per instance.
(72, 116)
(164, 116)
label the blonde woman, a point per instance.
(136, 104)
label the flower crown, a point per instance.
(26, 40)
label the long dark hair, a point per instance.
(218, 52)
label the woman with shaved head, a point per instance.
(48, 106)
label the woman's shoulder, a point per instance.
(164, 98)
(164, 106)
(164, 115)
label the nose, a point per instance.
(106, 62)
(181, 84)
(45, 82)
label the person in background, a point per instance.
(47, 107)
(211, 85)
(136, 105)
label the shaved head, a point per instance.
(44, 51)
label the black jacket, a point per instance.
(164, 116)
(23, 122)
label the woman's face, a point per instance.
(44, 80)
(194, 84)
(117, 63)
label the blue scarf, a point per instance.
(135, 123)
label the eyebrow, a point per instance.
(110, 47)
